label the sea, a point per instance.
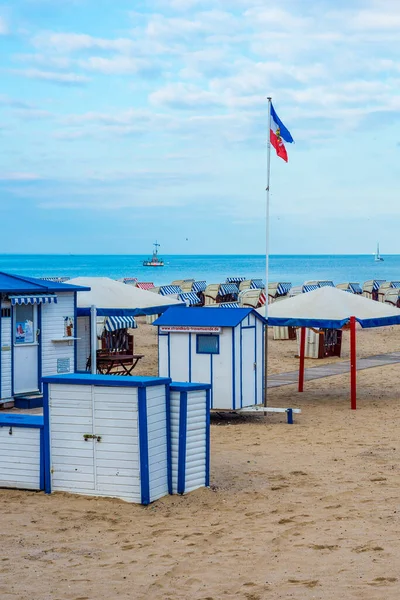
(294, 269)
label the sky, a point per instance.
(122, 123)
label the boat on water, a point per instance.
(155, 260)
(378, 257)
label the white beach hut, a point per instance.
(385, 286)
(370, 288)
(116, 302)
(37, 335)
(222, 347)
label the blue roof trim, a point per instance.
(16, 284)
(331, 323)
(21, 420)
(206, 317)
(105, 380)
(180, 386)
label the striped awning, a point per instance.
(256, 284)
(283, 288)
(228, 305)
(310, 288)
(235, 279)
(145, 285)
(355, 288)
(395, 284)
(167, 290)
(326, 284)
(26, 299)
(199, 286)
(115, 323)
(191, 298)
(227, 288)
(130, 280)
(377, 284)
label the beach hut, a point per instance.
(251, 284)
(116, 302)
(385, 286)
(351, 287)
(392, 297)
(222, 347)
(37, 335)
(370, 288)
(330, 308)
(252, 298)
(216, 293)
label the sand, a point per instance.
(304, 511)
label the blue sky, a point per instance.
(124, 122)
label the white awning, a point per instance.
(115, 323)
(27, 299)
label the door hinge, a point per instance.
(91, 436)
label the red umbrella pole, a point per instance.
(353, 364)
(302, 353)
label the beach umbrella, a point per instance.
(109, 298)
(331, 308)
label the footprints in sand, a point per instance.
(367, 548)
(383, 581)
(309, 583)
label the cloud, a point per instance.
(53, 77)
(121, 65)
(19, 176)
(75, 42)
(184, 96)
(3, 26)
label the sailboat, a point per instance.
(378, 257)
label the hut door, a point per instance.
(26, 349)
(249, 367)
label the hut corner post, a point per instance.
(267, 255)
(353, 365)
(302, 356)
(93, 340)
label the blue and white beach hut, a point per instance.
(37, 333)
(222, 347)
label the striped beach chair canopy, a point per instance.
(228, 305)
(144, 285)
(130, 280)
(326, 284)
(199, 286)
(256, 284)
(56, 279)
(115, 323)
(377, 284)
(235, 279)
(395, 284)
(310, 288)
(168, 290)
(228, 288)
(191, 298)
(283, 288)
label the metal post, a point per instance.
(267, 253)
(93, 340)
(302, 354)
(353, 364)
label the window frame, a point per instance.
(207, 335)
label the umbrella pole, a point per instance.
(302, 356)
(353, 364)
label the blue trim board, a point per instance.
(12, 348)
(183, 386)
(241, 367)
(46, 436)
(144, 447)
(75, 332)
(42, 469)
(39, 340)
(84, 311)
(169, 355)
(208, 408)
(256, 365)
(169, 443)
(211, 378)
(233, 369)
(1, 352)
(21, 420)
(105, 380)
(182, 443)
(263, 382)
(190, 357)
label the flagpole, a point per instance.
(267, 253)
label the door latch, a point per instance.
(91, 436)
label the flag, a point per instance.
(277, 134)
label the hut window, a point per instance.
(6, 312)
(207, 344)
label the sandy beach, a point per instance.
(308, 511)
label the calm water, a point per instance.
(213, 269)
